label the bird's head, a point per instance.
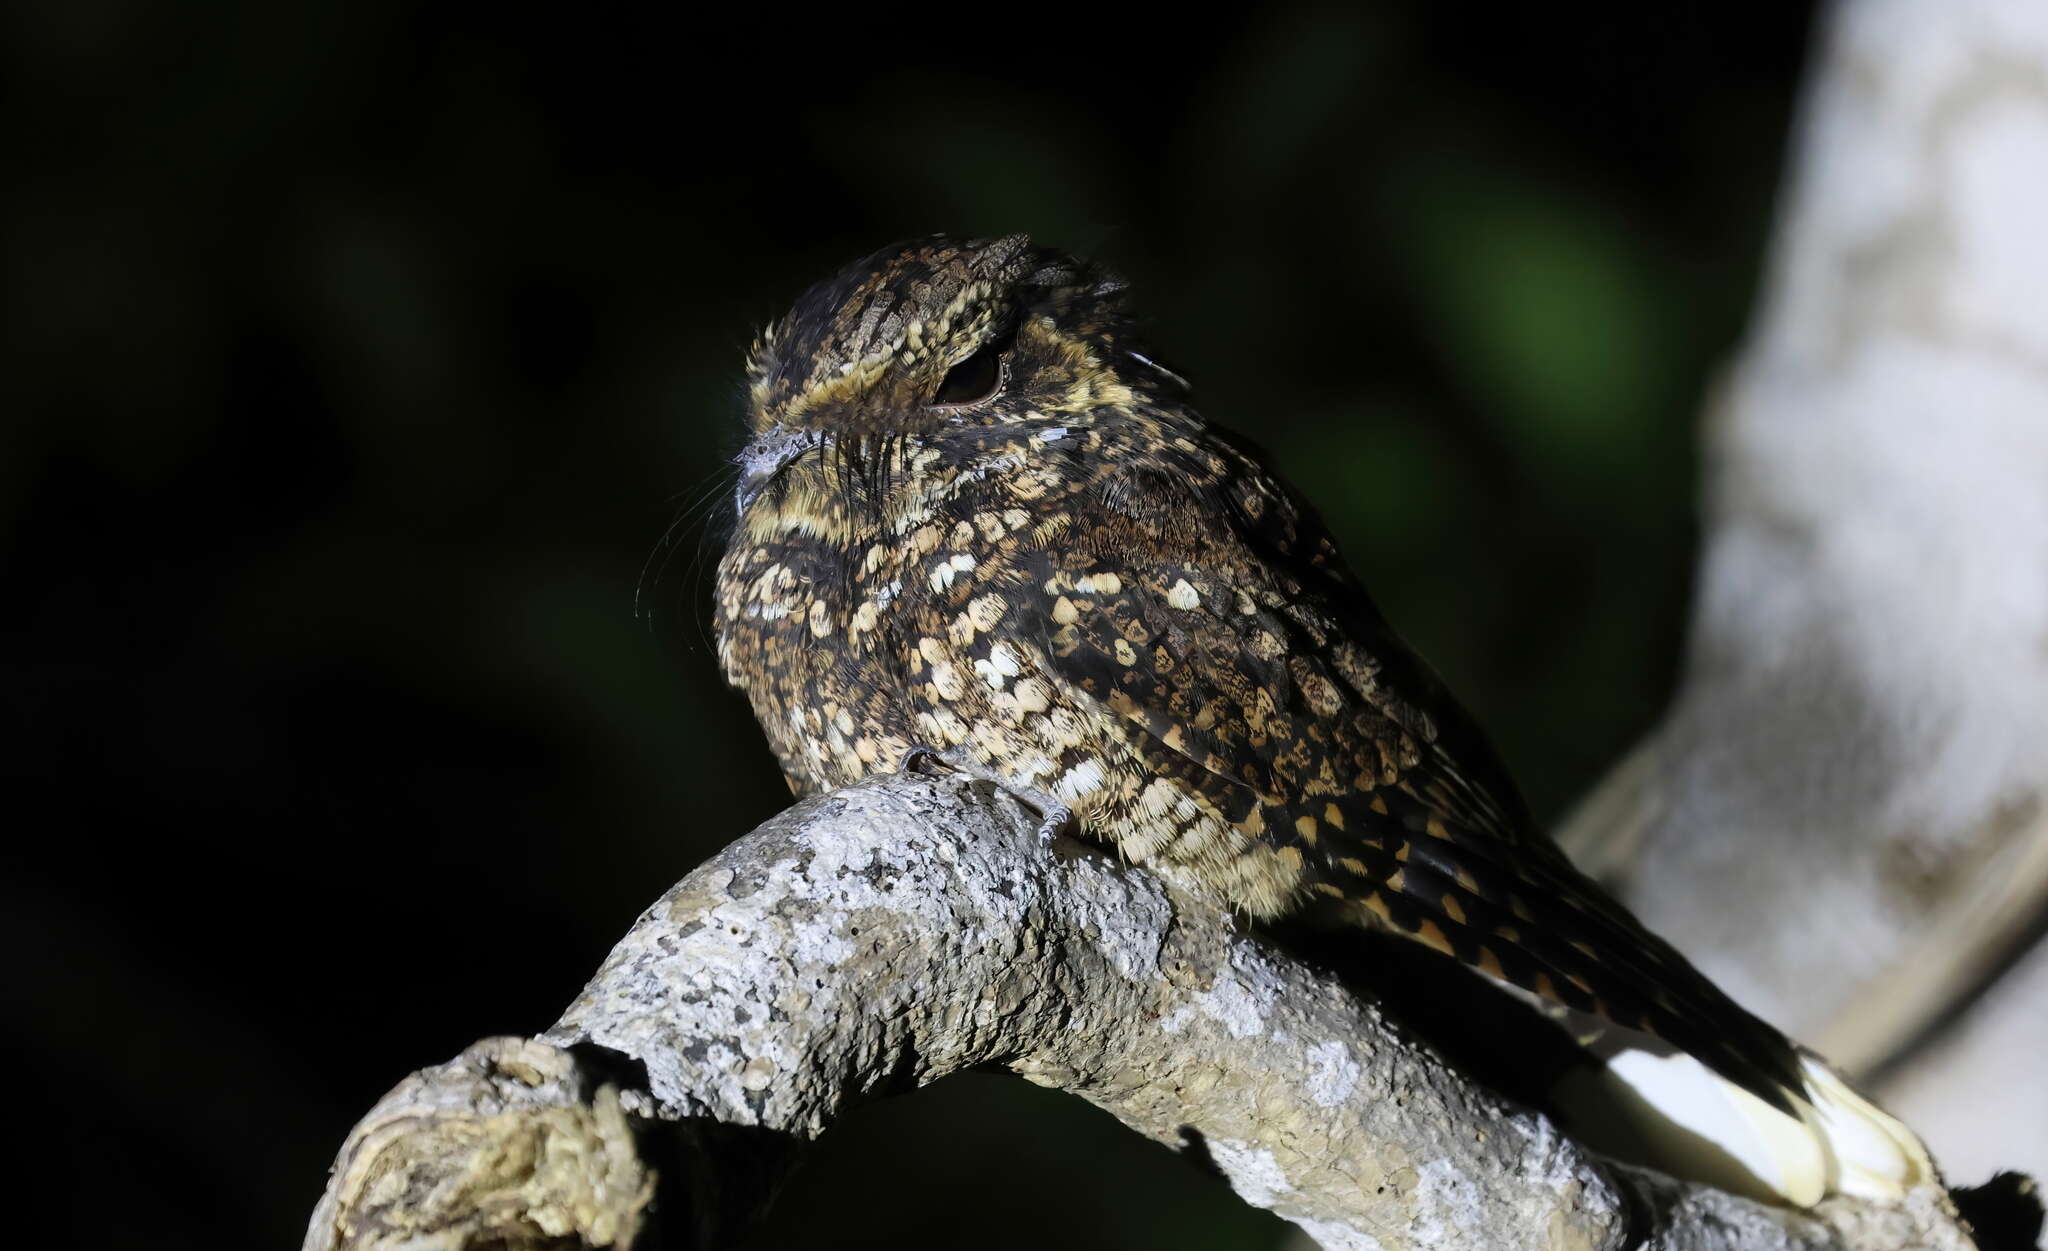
(894, 381)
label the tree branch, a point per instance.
(890, 934)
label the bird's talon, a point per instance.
(1059, 819)
(917, 755)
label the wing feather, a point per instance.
(1265, 680)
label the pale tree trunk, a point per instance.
(1842, 818)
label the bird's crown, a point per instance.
(916, 327)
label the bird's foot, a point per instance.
(1058, 819)
(918, 754)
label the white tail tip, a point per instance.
(1874, 1155)
(1665, 1109)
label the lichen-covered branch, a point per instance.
(887, 935)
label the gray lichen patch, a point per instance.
(1332, 1074)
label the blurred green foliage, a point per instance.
(358, 355)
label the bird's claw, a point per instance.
(917, 754)
(1059, 818)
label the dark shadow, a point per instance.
(1497, 1039)
(988, 1160)
(2004, 1213)
(1194, 1148)
(713, 1181)
(1511, 1047)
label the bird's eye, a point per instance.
(971, 381)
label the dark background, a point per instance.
(358, 355)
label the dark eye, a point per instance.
(971, 381)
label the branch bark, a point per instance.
(885, 936)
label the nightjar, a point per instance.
(977, 515)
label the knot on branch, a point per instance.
(510, 1145)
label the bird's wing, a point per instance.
(1264, 679)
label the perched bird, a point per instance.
(977, 517)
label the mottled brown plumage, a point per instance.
(976, 516)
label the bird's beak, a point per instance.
(766, 457)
